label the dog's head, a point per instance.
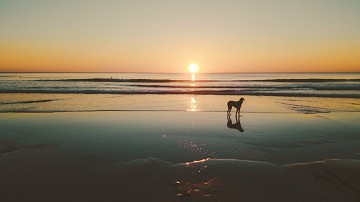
(242, 100)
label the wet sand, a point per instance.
(177, 156)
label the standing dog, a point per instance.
(236, 104)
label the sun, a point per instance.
(193, 68)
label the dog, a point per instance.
(236, 104)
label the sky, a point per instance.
(167, 35)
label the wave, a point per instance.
(203, 80)
(259, 86)
(194, 87)
(333, 88)
(195, 92)
(131, 80)
(311, 80)
(27, 102)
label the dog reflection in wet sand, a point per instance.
(236, 125)
(236, 104)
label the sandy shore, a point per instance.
(176, 156)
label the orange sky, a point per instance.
(158, 36)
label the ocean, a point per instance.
(76, 92)
(334, 85)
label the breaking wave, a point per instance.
(231, 85)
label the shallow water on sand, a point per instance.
(162, 156)
(177, 137)
(206, 103)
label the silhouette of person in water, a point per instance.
(236, 125)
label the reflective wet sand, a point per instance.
(182, 155)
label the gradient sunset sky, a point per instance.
(167, 35)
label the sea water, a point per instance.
(42, 92)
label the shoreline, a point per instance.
(197, 93)
(205, 103)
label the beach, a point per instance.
(164, 101)
(57, 146)
(166, 156)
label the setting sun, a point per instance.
(193, 68)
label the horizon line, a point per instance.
(183, 72)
